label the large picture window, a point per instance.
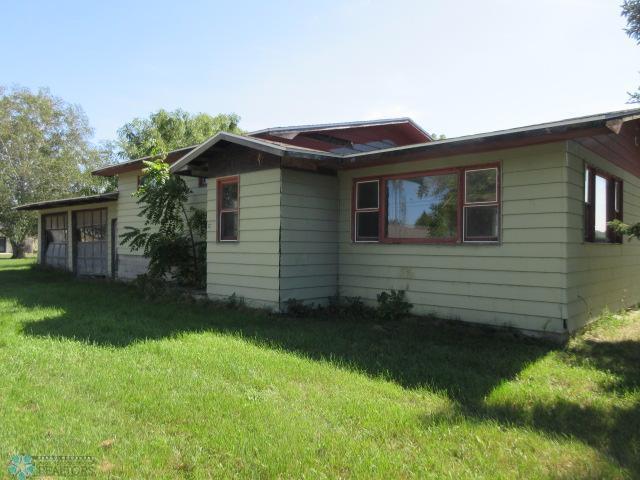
(228, 207)
(444, 206)
(423, 207)
(602, 204)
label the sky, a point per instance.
(456, 67)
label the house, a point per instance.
(507, 228)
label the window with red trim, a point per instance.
(367, 211)
(228, 207)
(443, 206)
(481, 208)
(602, 204)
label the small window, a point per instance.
(3, 244)
(367, 211)
(228, 208)
(481, 211)
(202, 182)
(602, 204)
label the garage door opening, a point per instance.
(90, 242)
(55, 240)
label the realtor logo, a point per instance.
(21, 466)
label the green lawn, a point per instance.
(175, 390)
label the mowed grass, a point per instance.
(168, 390)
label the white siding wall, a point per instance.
(520, 283)
(250, 267)
(601, 276)
(309, 245)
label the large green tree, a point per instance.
(631, 11)
(45, 153)
(164, 131)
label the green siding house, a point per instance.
(508, 228)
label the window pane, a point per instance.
(481, 185)
(481, 223)
(228, 226)
(423, 207)
(616, 196)
(587, 176)
(367, 193)
(229, 195)
(367, 226)
(601, 208)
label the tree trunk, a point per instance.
(18, 249)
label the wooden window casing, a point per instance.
(614, 204)
(382, 181)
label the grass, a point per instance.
(167, 390)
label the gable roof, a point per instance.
(261, 145)
(137, 163)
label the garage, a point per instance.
(90, 242)
(55, 240)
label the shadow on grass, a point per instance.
(465, 363)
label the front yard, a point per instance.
(155, 390)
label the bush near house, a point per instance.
(175, 390)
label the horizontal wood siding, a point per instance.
(249, 267)
(520, 282)
(309, 237)
(600, 276)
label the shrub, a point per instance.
(299, 309)
(350, 308)
(392, 305)
(234, 302)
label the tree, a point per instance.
(164, 131)
(45, 153)
(631, 11)
(172, 236)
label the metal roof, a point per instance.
(340, 125)
(63, 202)
(601, 119)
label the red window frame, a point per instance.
(382, 190)
(356, 210)
(220, 182)
(493, 203)
(615, 198)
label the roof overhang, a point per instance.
(606, 123)
(67, 202)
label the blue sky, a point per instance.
(455, 67)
